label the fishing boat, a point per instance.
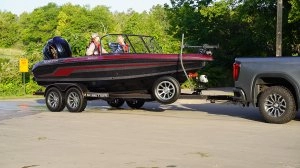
(142, 69)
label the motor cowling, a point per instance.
(57, 47)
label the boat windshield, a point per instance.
(133, 44)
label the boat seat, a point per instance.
(114, 46)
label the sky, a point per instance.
(20, 6)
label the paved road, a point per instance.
(20, 107)
(186, 134)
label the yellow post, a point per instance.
(23, 66)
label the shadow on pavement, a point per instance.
(226, 109)
(250, 113)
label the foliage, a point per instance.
(75, 24)
(39, 26)
(294, 22)
(154, 23)
(9, 29)
(242, 28)
(11, 80)
(10, 52)
(294, 15)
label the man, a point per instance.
(122, 47)
(94, 47)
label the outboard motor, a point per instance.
(57, 47)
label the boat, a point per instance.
(143, 69)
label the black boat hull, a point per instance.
(116, 72)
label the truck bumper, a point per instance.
(239, 95)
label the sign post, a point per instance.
(23, 65)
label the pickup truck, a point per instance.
(272, 84)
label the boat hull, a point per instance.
(115, 73)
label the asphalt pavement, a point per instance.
(186, 134)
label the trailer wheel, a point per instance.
(54, 100)
(135, 103)
(117, 102)
(277, 105)
(75, 101)
(166, 90)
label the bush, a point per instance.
(3, 60)
(11, 80)
(11, 89)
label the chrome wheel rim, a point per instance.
(166, 90)
(53, 99)
(275, 105)
(73, 100)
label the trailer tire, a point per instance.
(75, 101)
(135, 103)
(116, 102)
(277, 105)
(54, 99)
(166, 90)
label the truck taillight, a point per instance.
(236, 70)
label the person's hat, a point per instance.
(94, 35)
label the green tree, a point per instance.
(40, 25)
(240, 27)
(294, 15)
(158, 26)
(294, 21)
(9, 30)
(153, 23)
(261, 18)
(72, 25)
(207, 22)
(76, 23)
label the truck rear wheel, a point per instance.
(277, 105)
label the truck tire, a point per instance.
(54, 99)
(166, 90)
(75, 101)
(277, 105)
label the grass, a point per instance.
(11, 53)
(27, 96)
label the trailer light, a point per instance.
(193, 75)
(236, 71)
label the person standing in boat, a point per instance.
(122, 46)
(95, 47)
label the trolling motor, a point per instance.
(204, 49)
